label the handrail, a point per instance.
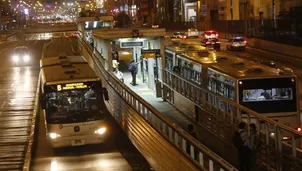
(203, 150)
(262, 117)
(205, 101)
(31, 142)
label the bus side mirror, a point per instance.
(43, 102)
(106, 95)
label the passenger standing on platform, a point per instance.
(242, 142)
(192, 132)
(115, 64)
(133, 69)
(254, 145)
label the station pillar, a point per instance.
(108, 61)
(162, 68)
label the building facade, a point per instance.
(192, 10)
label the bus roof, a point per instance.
(185, 47)
(66, 69)
(49, 61)
(233, 66)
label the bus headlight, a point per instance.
(100, 131)
(15, 58)
(26, 58)
(54, 135)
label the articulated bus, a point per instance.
(171, 51)
(263, 89)
(72, 102)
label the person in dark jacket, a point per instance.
(194, 134)
(133, 67)
(244, 151)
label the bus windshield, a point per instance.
(72, 106)
(270, 95)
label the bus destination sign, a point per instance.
(71, 86)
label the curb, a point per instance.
(31, 142)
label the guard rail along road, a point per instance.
(276, 155)
(161, 142)
(31, 143)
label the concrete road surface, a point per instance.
(18, 86)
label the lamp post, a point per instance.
(231, 9)
(274, 14)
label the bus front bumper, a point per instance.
(70, 141)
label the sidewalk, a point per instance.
(181, 120)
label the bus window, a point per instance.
(268, 95)
(220, 85)
(272, 94)
(169, 61)
(72, 106)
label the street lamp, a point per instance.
(274, 14)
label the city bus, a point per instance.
(72, 102)
(269, 91)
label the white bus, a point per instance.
(72, 102)
(266, 90)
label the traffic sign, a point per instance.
(132, 44)
(150, 51)
(203, 10)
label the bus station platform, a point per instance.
(176, 116)
(226, 151)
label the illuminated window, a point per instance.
(95, 24)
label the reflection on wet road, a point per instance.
(17, 94)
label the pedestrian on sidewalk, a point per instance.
(115, 64)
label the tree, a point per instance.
(123, 20)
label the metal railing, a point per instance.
(152, 120)
(33, 128)
(223, 120)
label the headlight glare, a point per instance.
(15, 58)
(54, 135)
(100, 131)
(26, 58)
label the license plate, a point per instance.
(77, 142)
